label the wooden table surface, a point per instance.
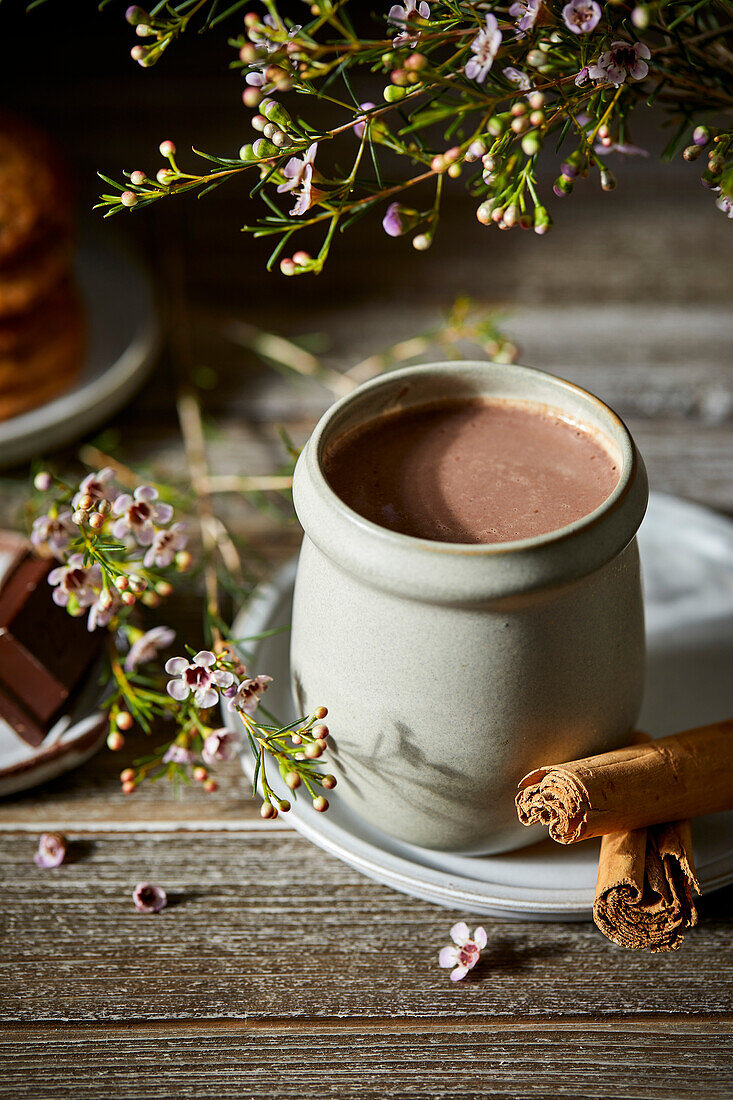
(276, 971)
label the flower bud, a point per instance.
(128, 599)
(329, 782)
(210, 785)
(537, 58)
(128, 787)
(562, 186)
(422, 242)
(531, 143)
(536, 100)
(393, 94)
(127, 775)
(79, 517)
(247, 153)
(301, 257)
(692, 152)
(542, 221)
(115, 741)
(537, 118)
(520, 124)
(497, 124)
(640, 17)
(167, 149)
(184, 561)
(267, 810)
(313, 751)
(287, 266)
(608, 180)
(511, 215)
(264, 148)
(251, 97)
(283, 805)
(483, 213)
(293, 780)
(165, 177)
(416, 61)
(43, 481)
(135, 15)
(200, 774)
(124, 720)
(320, 804)
(701, 135)
(320, 732)
(320, 713)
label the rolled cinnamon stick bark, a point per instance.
(646, 878)
(674, 778)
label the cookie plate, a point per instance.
(122, 344)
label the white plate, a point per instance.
(123, 340)
(687, 556)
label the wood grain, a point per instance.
(265, 1061)
(268, 926)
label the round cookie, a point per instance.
(30, 277)
(34, 191)
(45, 362)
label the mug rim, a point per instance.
(632, 482)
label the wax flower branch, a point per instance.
(117, 550)
(472, 90)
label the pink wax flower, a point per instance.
(581, 16)
(484, 49)
(199, 677)
(406, 16)
(247, 697)
(621, 61)
(147, 646)
(298, 173)
(94, 486)
(525, 12)
(75, 583)
(464, 952)
(149, 898)
(221, 746)
(139, 514)
(167, 541)
(177, 754)
(52, 533)
(51, 850)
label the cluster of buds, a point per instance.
(145, 188)
(157, 28)
(718, 175)
(274, 123)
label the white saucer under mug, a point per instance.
(687, 559)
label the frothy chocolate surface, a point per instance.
(471, 471)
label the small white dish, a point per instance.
(687, 558)
(123, 340)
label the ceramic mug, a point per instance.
(451, 670)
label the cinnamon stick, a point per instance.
(645, 882)
(672, 779)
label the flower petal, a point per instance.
(204, 657)
(222, 678)
(176, 666)
(121, 504)
(480, 938)
(163, 513)
(458, 973)
(146, 492)
(178, 690)
(206, 697)
(448, 957)
(460, 934)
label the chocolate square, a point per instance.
(44, 652)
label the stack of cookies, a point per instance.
(41, 317)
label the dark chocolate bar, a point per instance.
(44, 652)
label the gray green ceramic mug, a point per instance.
(452, 670)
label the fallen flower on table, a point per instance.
(464, 952)
(51, 850)
(149, 898)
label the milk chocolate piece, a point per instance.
(44, 652)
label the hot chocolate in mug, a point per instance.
(451, 669)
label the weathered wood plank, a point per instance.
(665, 1063)
(265, 927)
